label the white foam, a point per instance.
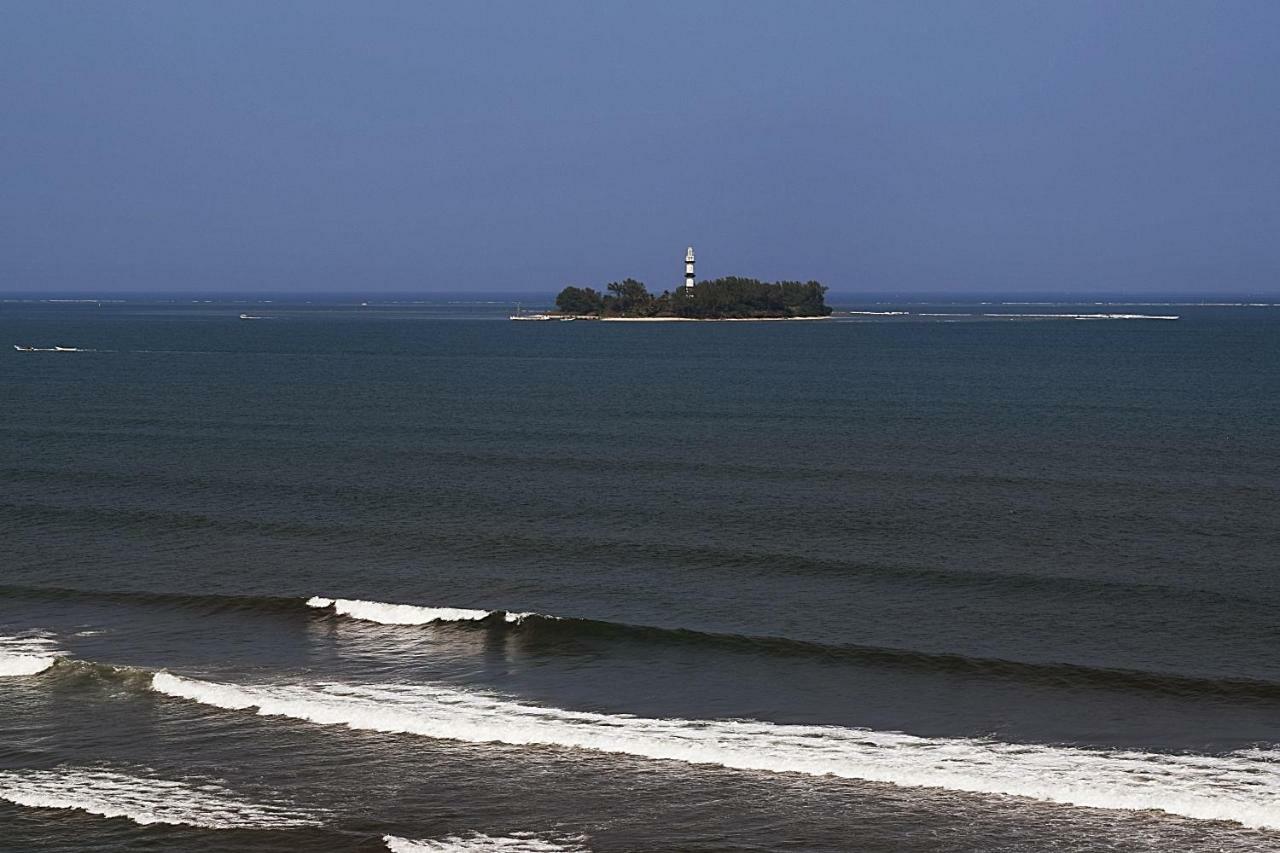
(144, 800)
(478, 843)
(405, 614)
(26, 655)
(1086, 316)
(1236, 787)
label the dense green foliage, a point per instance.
(720, 298)
(580, 300)
(629, 298)
(747, 297)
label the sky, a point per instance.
(900, 147)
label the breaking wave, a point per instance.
(145, 800)
(409, 614)
(1240, 787)
(1055, 674)
(542, 626)
(26, 655)
(519, 842)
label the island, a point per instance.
(729, 298)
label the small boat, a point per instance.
(567, 319)
(65, 349)
(20, 348)
(249, 317)
(520, 315)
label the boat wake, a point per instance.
(145, 800)
(1240, 787)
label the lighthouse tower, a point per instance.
(688, 270)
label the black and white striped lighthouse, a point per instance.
(688, 269)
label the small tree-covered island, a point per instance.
(730, 298)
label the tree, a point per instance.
(628, 298)
(735, 297)
(729, 297)
(580, 300)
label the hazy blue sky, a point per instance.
(889, 146)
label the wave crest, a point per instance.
(26, 655)
(408, 614)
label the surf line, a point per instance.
(1240, 787)
(145, 800)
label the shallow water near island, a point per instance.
(413, 577)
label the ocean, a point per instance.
(409, 576)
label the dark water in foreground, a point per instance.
(890, 583)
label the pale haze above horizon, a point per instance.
(1026, 147)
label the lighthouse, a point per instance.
(688, 270)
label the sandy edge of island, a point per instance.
(700, 319)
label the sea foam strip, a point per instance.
(405, 614)
(1236, 787)
(1089, 316)
(144, 800)
(515, 843)
(26, 655)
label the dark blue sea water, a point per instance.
(933, 581)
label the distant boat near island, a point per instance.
(541, 317)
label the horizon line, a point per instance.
(89, 293)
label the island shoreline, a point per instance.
(700, 319)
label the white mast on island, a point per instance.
(688, 270)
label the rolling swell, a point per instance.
(539, 628)
(161, 522)
(1054, 674)
(209, 603)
